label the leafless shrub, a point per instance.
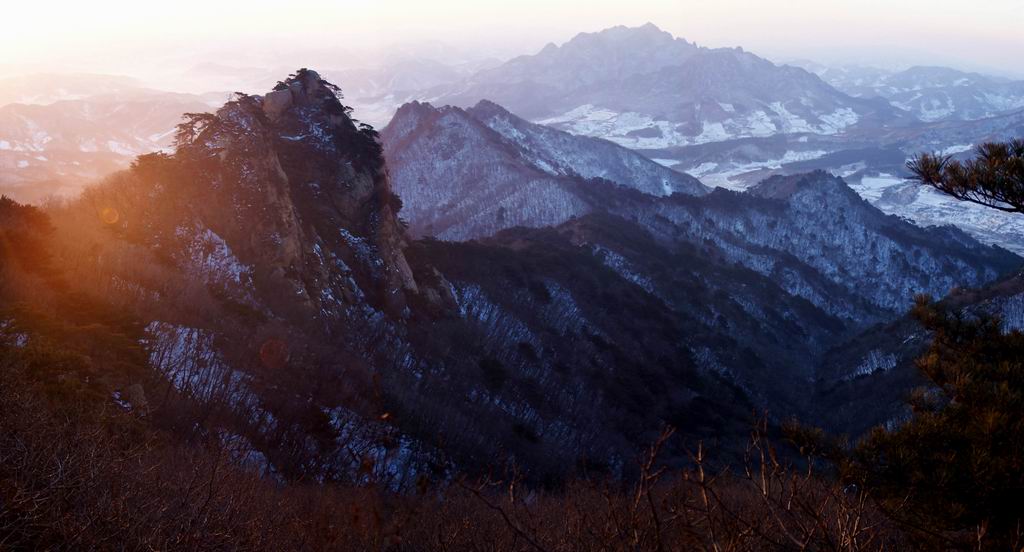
(82, 476)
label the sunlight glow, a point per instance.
(110, 215)
(118, 35)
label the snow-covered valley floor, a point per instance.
(928, 207)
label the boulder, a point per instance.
(275, 103)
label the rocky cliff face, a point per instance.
(267, 259)
(290, 193)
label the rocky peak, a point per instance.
(785, 187)
(647, 35)
(633, 42)
(296, 189)
(304, 88)
(409, 117)
(415, 109)
(588, 58)
(486, 109)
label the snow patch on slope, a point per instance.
(640, 131)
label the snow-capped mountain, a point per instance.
(874, 163)
(643, 88)
(468, 173)
(931, 93)
(523, 174)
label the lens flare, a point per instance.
(109, 215)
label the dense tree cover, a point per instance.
(952, 473)
(88, 462)
(98, 451)
(955, 469)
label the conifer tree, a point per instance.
(995, 178)
(954, 471)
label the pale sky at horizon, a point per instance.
(122, 36)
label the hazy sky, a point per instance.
(133, 35)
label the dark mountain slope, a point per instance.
(594, 332)
(866, 380)
(559, 360)
(810, 233)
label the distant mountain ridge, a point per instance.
(47, 88)
(641, 87)
(931, 93)
(71, 136)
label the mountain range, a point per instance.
(929, 93)
(417, 159)
(285, 307)
(645, 89)
(58, 135)
(725, 116)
